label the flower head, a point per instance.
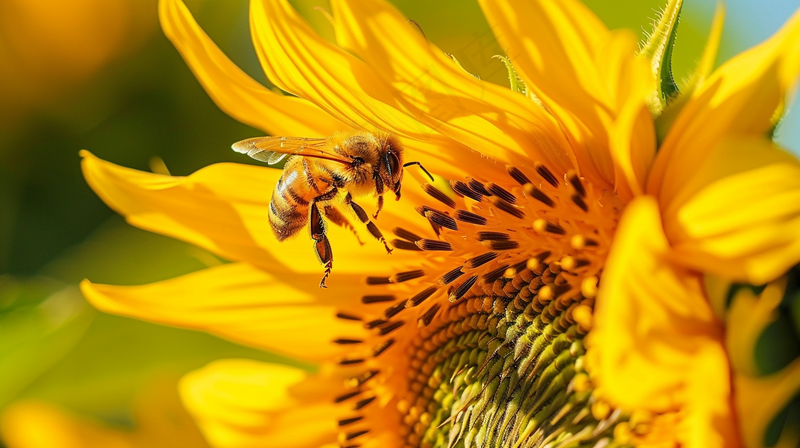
(590, 198)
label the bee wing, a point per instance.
(272, 150)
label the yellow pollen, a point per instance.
(622, 433)
(600, 409)
(583, 316)
(578, 242)
(581, 382)
(589, 287)
(534, 264)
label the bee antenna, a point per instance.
(421, 167)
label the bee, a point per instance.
(322, 176)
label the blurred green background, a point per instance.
(99, 75)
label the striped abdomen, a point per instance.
(297, 187)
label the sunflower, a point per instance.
(579, 274)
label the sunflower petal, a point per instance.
(232, 90)
(299, 61)
(31, 424)
(737, 214)
(224, 208)
(495, 120)
(241, 403)
(739, 99)
(553, 46)
(656, 344)
(242, 303)
(762, 398)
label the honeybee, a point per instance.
(321, 176)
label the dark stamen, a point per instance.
(405, 234)
(463, 288)
(404, 245)
(439, 195)
(346, 316)
(348, 421)
(344, 341)
(546, 174)
(401, 277)
(382, 347)
(477, 187)
(378, 280)
(575, 181)
(346, 396)
(578, 200)
(433, 245)
(427, 318)
(492, 236)
(501, 244)
(539, 195)
(450, 277)
(374, 323)
(348, 362)
(377, 299)
(391, 327)
(353, 435)
(442, 220)
(480, 260)
(393, 310)
(500, 192)
(462, 189)
(542, 225)
(518, 175)
(491, 276)
(420, 297)
(470, 218)
(508, 208)
(361, 403)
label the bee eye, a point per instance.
(392, 163)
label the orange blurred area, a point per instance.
(49, 47)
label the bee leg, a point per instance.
(321, 244)
(364, 217)
(380, 207)
(336, 217)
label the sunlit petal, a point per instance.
(237, 94)
(494, 120)
(240, 404)
(242, 303)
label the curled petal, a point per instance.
(656, 344)
(738, 213)
(237, 94)
(240, 403)
(739, 99)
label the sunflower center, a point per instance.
(502, 306)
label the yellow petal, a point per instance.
(224, 208)
(242, 403)
(747, 318)
(34, 424)
(738, 99)
(245, 304)
(737, 214)
(491, 119)
(760, 399)
(159, 417)
(553, 46)
(656, 344)
(232, 90)
(299, 61)
(632, 139)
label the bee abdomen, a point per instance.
(288, 209)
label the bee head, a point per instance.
(391, 164)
